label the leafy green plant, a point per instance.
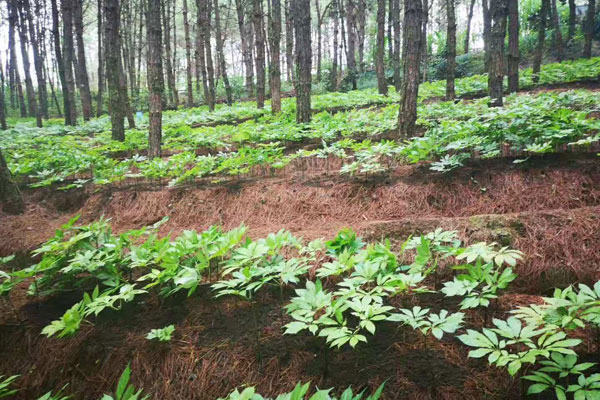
(125, 390)
(5, 386)
(300, 392)
(162, 334)
(429, 323)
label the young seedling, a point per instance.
(162, 334)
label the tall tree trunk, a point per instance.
(100, 39)
(589, 28)
(10, 196)
(31, 96)
(351, 12)
(513, 46)
(166, 18)
(201, 53)
(38, 60)
(319, 39)
(558, 40)
(411, 49)
(257, 18)
(210, 69)
(498, 12)
(3, 125)
(246, 43)
(84, 84)
(275, 53)
(390, 30)
(69, 55)
(397, 36)
(301, 10)
(539, 49)
(155, 77)
(188, 57)
(572, 19)
(380, 51)
(333, 78)
(112, 49)
(450, 50)
(487, 30)
(289, 42)
(424, 49)
(221, 55)
(362, 23)
(61, 63)
(469, 19)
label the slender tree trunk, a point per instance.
(246, 44)
(61, 63)
(450, 50)
(498, 12)
(138, 72)
(69, 55)
(424, 49)
(221, 55)
(201, 53)
(10, 196)
(469, 19)
(513, 46)
(289, 42)
(362, 22)
(558, 40)
(155, 77)
(336, 29)
(397, 36)
(166, 18)
(487, 29)
(210, 69)
(351, 43)
(572, 19)
(100, 39)
(380, 51)
(589, 28)
(390, 31)
(301, 10)
(114, 69)
(257, 18)
(52, 91)
(188, 57)
(38, 60)
(31, 96)
(411, 49)
(319, 39)
(3, 125)
(539, 49)
(275, 53)
(84, 88)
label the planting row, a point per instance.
(351, 289)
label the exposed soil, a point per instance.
(549, 209)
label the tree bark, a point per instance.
(450, 50)
(333, 78)
(3, 125)
(413, 37)
(114, 69)
(539, 49)
(498, 13)
(301, 10)
(210, 69)
(100, 106)
(362, 22)
(275, 53)
(289, 42)
(380, 51)
(84, 83)
(10, 196)
(257, 18)
(60, 62)
(572, 19)
(201, 53)
(397, 37)
(38, 60)
(155, 77)
(424, 49)
(34, 111)
(69, 55)
(558, 40)
(513, 46)
(487, 29)
(246, 44)
(351, 42)
(172, 92)
(468, 33)
(221, 55)
(188, 57)
(589, 28)
(390, 30)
